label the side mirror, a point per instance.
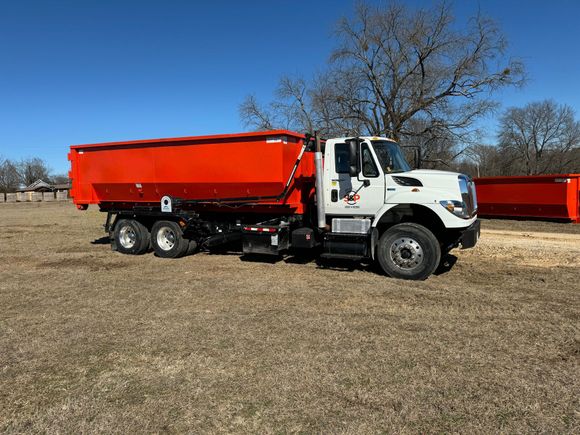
(353, 157)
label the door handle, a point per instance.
(334, 195)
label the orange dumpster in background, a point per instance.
(535, 196)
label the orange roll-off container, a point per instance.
(251, 169)
(554, 197)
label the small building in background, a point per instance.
(37, 186)
(40, 190)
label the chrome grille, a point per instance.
(468, 195)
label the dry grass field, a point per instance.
(94, 341)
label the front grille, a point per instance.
(468, 195)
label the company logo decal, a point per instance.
(352, 198)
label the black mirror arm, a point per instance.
(417, 154)
(366, 183)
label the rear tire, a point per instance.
(408, 251)
(131, 237)
(167, 240)
(192, 247)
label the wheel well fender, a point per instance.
(393, 214)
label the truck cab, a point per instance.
(411, 217)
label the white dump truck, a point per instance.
(276, 192)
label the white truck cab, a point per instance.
(413, 216)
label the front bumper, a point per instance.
(470, 236)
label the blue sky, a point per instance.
(92, 71)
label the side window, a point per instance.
(341, 156)
(369, 168)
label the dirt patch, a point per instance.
(91, 340)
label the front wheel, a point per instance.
(408, 251)
(167, 240)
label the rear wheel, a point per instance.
(408, 251)
(131, 237)
(192, 247)
(167, 240)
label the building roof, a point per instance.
(43, 186)
(62, 186)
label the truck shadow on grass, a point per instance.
(341, 265)
(105, 240)
(447, 263)
(260, 258)
(321, 263)
(233, 249)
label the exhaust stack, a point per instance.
(319, 192)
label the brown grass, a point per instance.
(91, 340)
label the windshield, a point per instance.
(390, 156)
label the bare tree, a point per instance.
(483, 160)
(544, 136)
(258, 116)
(14, 174)
(292, 108)
(400, 73)
(33, 169)
(9, 176)
(59, 179)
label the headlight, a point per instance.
(458, 208)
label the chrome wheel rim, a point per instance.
(166, 238)
(127, 237)
(406, 253)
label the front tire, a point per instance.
(167, 240)
(131, 237)
(408, 251)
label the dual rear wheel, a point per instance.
(131, 237)
(166, 239)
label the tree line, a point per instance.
(420, 77)
(21, 173)
(540, 138)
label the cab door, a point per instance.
(360, 195)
